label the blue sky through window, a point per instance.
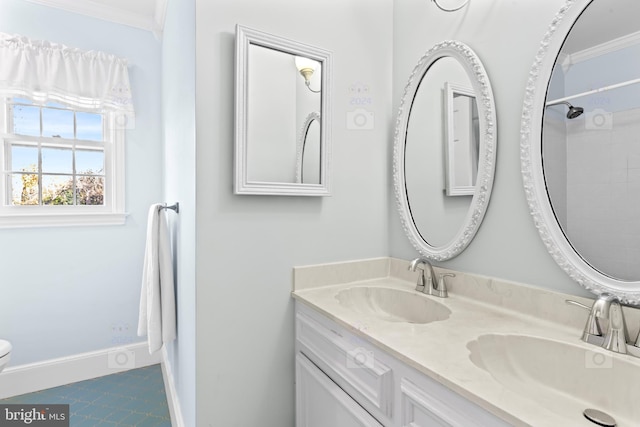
(22, 101)
(23, 158)
(89, 126)
(26, 120)
(57, 123)
(89, 162)
(57, 160)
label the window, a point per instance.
(63, 115)
(60, 165)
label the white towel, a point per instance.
(157, 317)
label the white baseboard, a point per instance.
(170, 389)
(33, 377)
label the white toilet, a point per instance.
(5, 353)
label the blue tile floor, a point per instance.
(133, 398)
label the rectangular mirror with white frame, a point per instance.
(282, 121)
(461, 139)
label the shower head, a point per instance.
(573, 111)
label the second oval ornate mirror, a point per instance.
(444, 150)
(580, 146)
(309, 151)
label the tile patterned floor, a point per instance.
(134, 398)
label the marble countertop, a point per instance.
(479, 306)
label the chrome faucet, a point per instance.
(616, 337)
(606, 326)
(427, 282)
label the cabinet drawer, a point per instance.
(349, 362)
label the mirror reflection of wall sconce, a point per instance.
(307, 67)
(452, 5)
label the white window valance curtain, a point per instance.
(46, 71)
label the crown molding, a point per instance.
(159, 17)
(623, 42)
(152, 22)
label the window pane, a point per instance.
(55, 104)
(21, 100)
(57, 160)
(26, 120)
(57, 123)
(24, 189)
(90, 190)
(24, 158)
(90, 162)
(57, 190)
(89, 126)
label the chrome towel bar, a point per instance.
(175, 207)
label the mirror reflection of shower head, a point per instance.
(573, 111)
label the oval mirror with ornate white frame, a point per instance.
(409, 150)
(579, 144)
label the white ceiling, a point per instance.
(602, 22)
(145, 14)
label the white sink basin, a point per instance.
(561, 377)
(393, 305)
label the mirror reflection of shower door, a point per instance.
(461, 117)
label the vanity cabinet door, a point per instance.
(321, 403)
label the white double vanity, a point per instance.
(373, 351)
(372, 348)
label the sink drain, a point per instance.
(599, 418)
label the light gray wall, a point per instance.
(506, 36)
(179, 136)
(70, 290)
(247, 245)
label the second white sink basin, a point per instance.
(562, 377)
(393, 305)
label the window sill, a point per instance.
(60, 219)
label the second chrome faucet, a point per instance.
(606, 326)
(427, 281)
